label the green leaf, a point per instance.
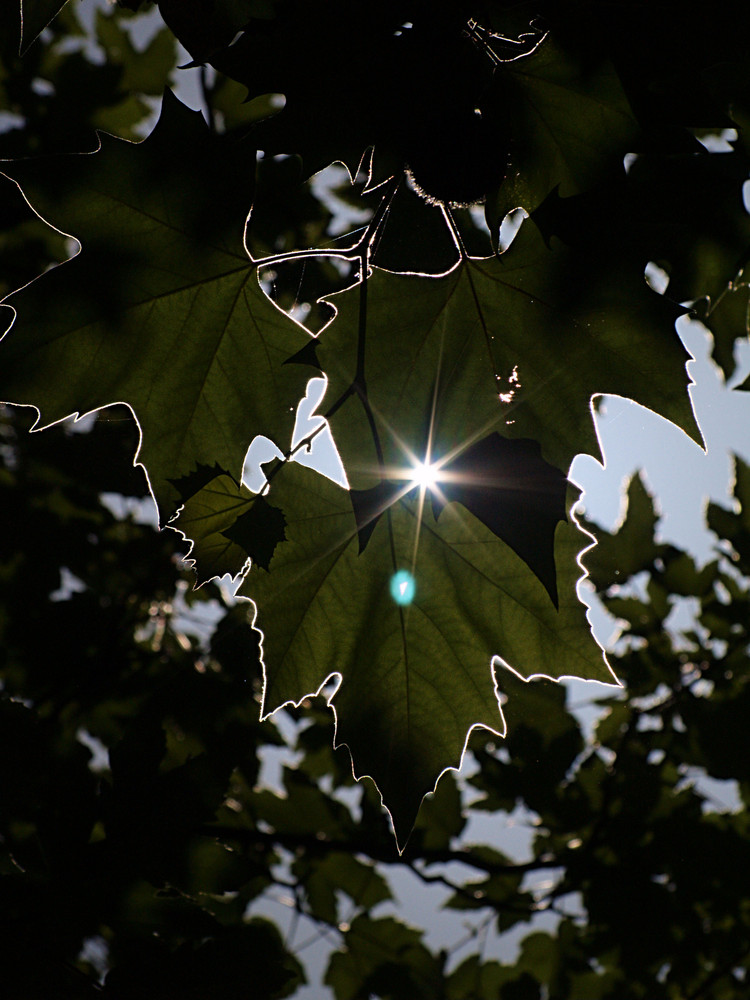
(417, 677)
(161, 309)
(227, 523)
(518, 343)
(325, 878)
(384, 957)
(631, 548)
(540, 955)
(682, 577)
(539, 753)
(571, 124)
(145, 71)
(35, 16)
(476, 980)
(304, 811)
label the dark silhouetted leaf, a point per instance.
(619, 555)
(384, 957)
(572, 122)
(228, 524)
(258, 530)
(509, 487)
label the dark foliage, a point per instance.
(142, 848)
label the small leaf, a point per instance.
(477, 979)
(143, 70)
(325, 878)
(619, 555)
(386, 958)
(258, 530)
(228, 524)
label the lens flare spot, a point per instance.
(403, 587)
(425, 475)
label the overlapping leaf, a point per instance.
(488, 370)
(570, 124)
(227, 523)
(161, 309)
(505, 484)
(513, 492)
(415, 677)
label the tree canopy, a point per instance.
(469, 288)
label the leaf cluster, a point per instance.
(203, 280)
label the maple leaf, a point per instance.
(161, 309)
(413, 650)
(631, 549)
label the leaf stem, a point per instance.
(359, 251)
(455, 232)
(287, 456)
(351, 254)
